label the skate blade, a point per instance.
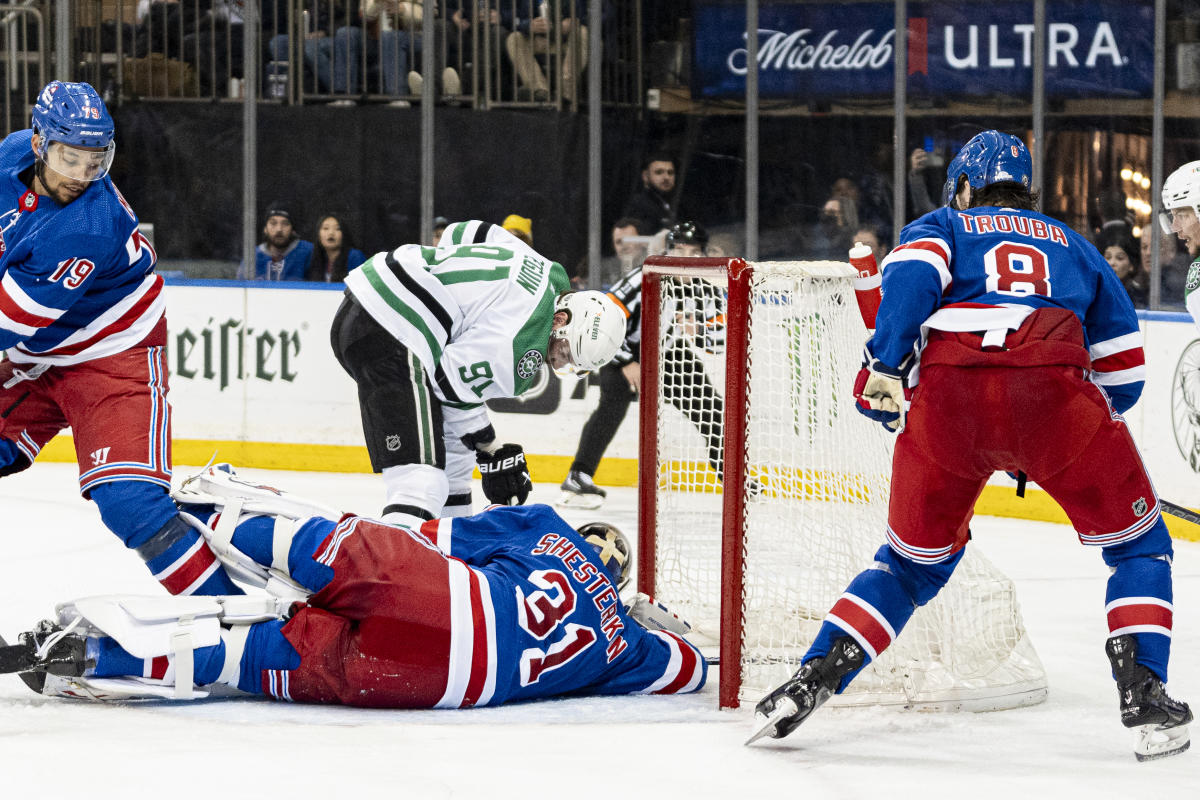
(584, 501)
(1151, 743)
(786, 707)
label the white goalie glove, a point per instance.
(654, 616)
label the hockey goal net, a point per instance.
(747, 370)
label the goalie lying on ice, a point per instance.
(510, 604)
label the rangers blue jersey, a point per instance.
(986, 269)
(77, 281)
(555, 623)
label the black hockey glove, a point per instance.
(506, 479)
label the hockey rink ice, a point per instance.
(55, 548)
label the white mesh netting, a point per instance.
(816, 507)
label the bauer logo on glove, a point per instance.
(506, 479)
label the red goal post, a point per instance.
(745, 382)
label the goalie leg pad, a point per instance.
(220, 484)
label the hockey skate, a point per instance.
(782, 711)
(47, 650)
(579, 491)
(1159, 723)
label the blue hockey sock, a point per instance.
(1138, 600)
(113, 661)
(878, 604)
(266, 649)
(255, 537)
(301, 556)
(146, 520)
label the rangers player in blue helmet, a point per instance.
(1029, 352)
(83, 329)
(990, 157)
(72, 139)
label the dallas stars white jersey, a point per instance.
(478, 316)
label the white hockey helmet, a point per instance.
(594, 330)
(613, 549)
(1180, 190)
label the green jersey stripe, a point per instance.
(449, 277)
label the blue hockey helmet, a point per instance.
(73, 115)
(990, 157)
(613, 549)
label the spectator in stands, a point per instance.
(322, 17)
(215, 48)
(393, 49)
(653, 205)
(334, 253)
(520, 227)
(1124, 255)
(466, 48)
(922, 165)
(439, 227)
(629, 250)
(282, 255)
(869, 235)
(533, 33)
(834, 232)
(161, 24)
(1173, 264)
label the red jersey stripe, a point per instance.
(862, 623)
(1139, 614)
(687, 667)
(184, 575)
(124, 322)
(10, 309)
(479, 645)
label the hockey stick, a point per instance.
(1179, 512)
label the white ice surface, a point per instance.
(55, 548)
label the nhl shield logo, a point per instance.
(529, 364)
(392, 442)
(1139, 506)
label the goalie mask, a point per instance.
(612, 547)
(1180, 190)
(75, 131)
(594, 330)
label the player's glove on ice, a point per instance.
(506, 479)
(880, 394)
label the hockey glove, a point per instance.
(880, 393)
(654, 616)
(506, 479)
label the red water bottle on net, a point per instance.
(867, 283)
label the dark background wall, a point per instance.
(180, 166)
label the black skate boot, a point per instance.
(1159, 722)
(47, 649)
(580, 491)
(782, 711)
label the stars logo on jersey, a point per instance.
(529, 364)
(1193, 278)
